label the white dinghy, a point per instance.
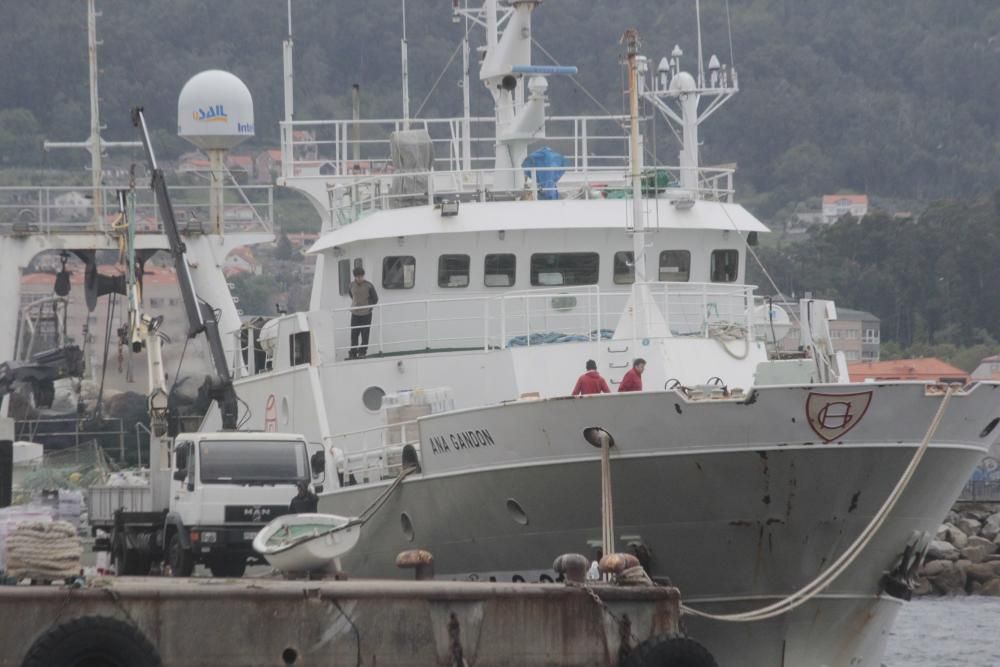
(306, 542)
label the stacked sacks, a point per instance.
(964, 557)
(44, 551)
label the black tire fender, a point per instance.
(91, 640)
(669, 652)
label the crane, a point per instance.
(201, 316)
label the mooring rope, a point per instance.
(828, 576)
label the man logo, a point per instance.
(831, 416)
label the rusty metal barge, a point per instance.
(142, 622)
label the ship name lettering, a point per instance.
(473, 439)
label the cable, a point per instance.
(828, 576)
(763, 268)
(107, 344)
(180, 362)
(438, 80)
(729, 26)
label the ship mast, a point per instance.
(94, 143)
(505, 64)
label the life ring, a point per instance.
(90, 640)
(669, 652)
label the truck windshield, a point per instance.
(252, 462)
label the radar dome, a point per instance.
(683, 82)
(215, 110)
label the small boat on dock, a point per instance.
(306, 542)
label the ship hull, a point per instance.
(733, 527)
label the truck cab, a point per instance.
(224, 488)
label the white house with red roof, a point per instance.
(837, 206)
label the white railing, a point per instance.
(372, 454)
(544, 316)
(66, 209)
(354, 159)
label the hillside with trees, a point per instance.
(896, 99)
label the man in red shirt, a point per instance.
(633, 379)
(591, 382)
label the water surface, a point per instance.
(946, 632)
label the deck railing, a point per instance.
(372, 454)
(354, 159)
(67, 209)
(535, 317)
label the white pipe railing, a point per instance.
(529, 317)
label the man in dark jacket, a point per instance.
(363, 297)
(591, 382)
(305, 502)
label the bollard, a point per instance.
(420, 561)
(617, 563)
(573, 567)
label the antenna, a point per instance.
(288, 73)
(94, 143)
(406, 74)
(701, 59)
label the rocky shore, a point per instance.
(964, 558)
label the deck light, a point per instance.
(449, 208)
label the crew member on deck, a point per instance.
(633, 379)
(363, 297)
(591, 382)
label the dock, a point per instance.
(253, 622)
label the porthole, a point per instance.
(406, 524)
(289, 656)
(372, 398)
(517, 512)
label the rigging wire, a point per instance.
(729, 27)
(746, 244)
(444, 70)
(112, 300)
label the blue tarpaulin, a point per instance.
(544, 160)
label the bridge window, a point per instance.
(624, 267)
(398, 272)
(725, 266)
(564, 268)
(499, 270)
(344, 271)
(453, 271)
(675, 266)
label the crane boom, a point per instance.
(200, 315)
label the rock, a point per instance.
(978, 515)
(936, 567)
(949, 581)
(991, 587)
(974, 554)
(991, 527)
(983, 572)
(942, 532)
(958, 537)
(969, 526)
(922, 587)
(952, 518)
(940, 550)
(991, 547)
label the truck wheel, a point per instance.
(128, 562)
(179, 559)
(230, 567)
(669, 652)
(92, 640)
